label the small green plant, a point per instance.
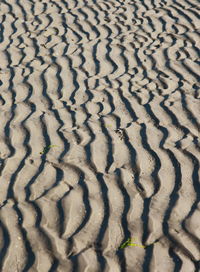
(125, 244)
(45, 150)
(128, 243)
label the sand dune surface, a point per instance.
(99, 136)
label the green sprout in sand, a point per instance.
(128, 243)
(125, 244)
(45, 150)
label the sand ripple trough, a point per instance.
(99, 136)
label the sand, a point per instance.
(99, 136)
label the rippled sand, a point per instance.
(99, 135)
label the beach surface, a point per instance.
(99, 136)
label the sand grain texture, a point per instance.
(99, 135)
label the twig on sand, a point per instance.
(17, 264)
